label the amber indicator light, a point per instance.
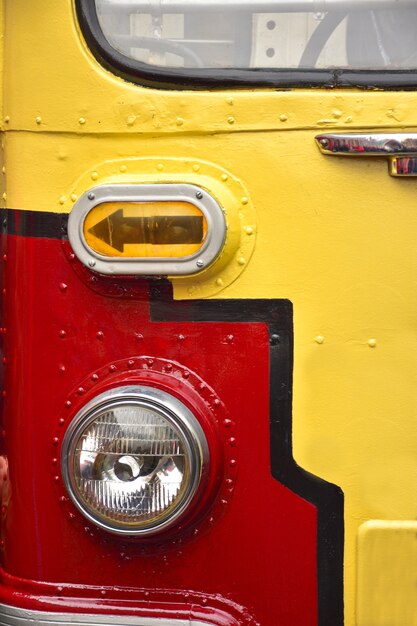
(168, 229)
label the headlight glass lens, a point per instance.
(132, 459)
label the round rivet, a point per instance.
(199, 195)
(196, 168)
(319, 339)
(55, 441)
(241, 261)
(227, 423)
(275, 339)
(38, 120)
(91, 196)
(181, 337)
(232, 441)
(94, 377)
(130, 363)
(74, 197)
(231, 120)
(62, 334)
(249, 230)
(123, 168)
(186, 374)
(200, 263)
(80, 391)
(91, 263)
(81, 121)
(179, 121)
(63, 286)
(5, 196)
(100, 334)
(244, 200)
(324, 142)
(372, 343)
(160, 167)
(219, 282)
(94, 175)
(112, 368)
(224, 177)
(283, 117)
(7, 119)
(62, 200)
(232, 462)
(68, 404)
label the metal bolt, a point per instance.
(91, 263)
(324, 142)
(199, 195)
(91, 196)
(200, 263)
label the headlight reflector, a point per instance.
(132, 460)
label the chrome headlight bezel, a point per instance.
(169, 408)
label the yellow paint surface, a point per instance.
(387, 574)
(338, 237)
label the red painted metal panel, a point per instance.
(68, 337)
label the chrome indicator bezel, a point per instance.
(155, 266)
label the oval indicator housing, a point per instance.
(171, 229)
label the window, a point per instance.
(249, 40)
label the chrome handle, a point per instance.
(400, 147)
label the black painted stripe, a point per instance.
(34, 223)
(328, 498)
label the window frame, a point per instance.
(226, 78)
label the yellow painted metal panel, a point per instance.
(387, 559)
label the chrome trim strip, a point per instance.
(175, 192)
(13, 616)
(256, 6)
(366, 144)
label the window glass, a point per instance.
(254, 34)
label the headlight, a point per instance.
(132, 460)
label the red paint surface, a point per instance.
(258, 551)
